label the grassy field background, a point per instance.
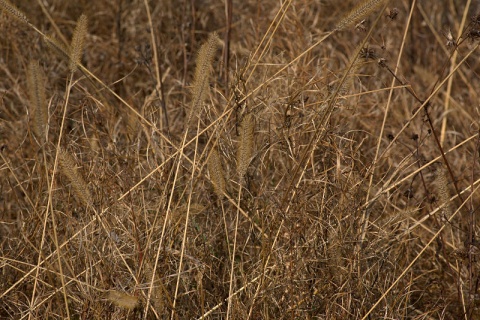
(239, 159)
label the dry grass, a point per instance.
(325, 174)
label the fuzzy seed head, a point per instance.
(38, 101)
(216, 173)
(69, 169)
(13, 11)
(360, 12)
(245, 146)
(203, 69)
(443, 191)
(78, 42)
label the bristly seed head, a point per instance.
(13, 11)
(245, 146)
(359, 13)
(78, 43)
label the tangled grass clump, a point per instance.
(250, 160)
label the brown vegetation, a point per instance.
(239, 159)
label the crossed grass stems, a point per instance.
(178, 156)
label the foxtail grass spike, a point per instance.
(13, 11)
(444, 195)
(216, 173)
(36, 90)
(201, 78)
(69, 169)
(78, 42)
(360, 12)
(245, 145)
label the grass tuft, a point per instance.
(310, 187)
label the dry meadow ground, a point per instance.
(257, 159)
